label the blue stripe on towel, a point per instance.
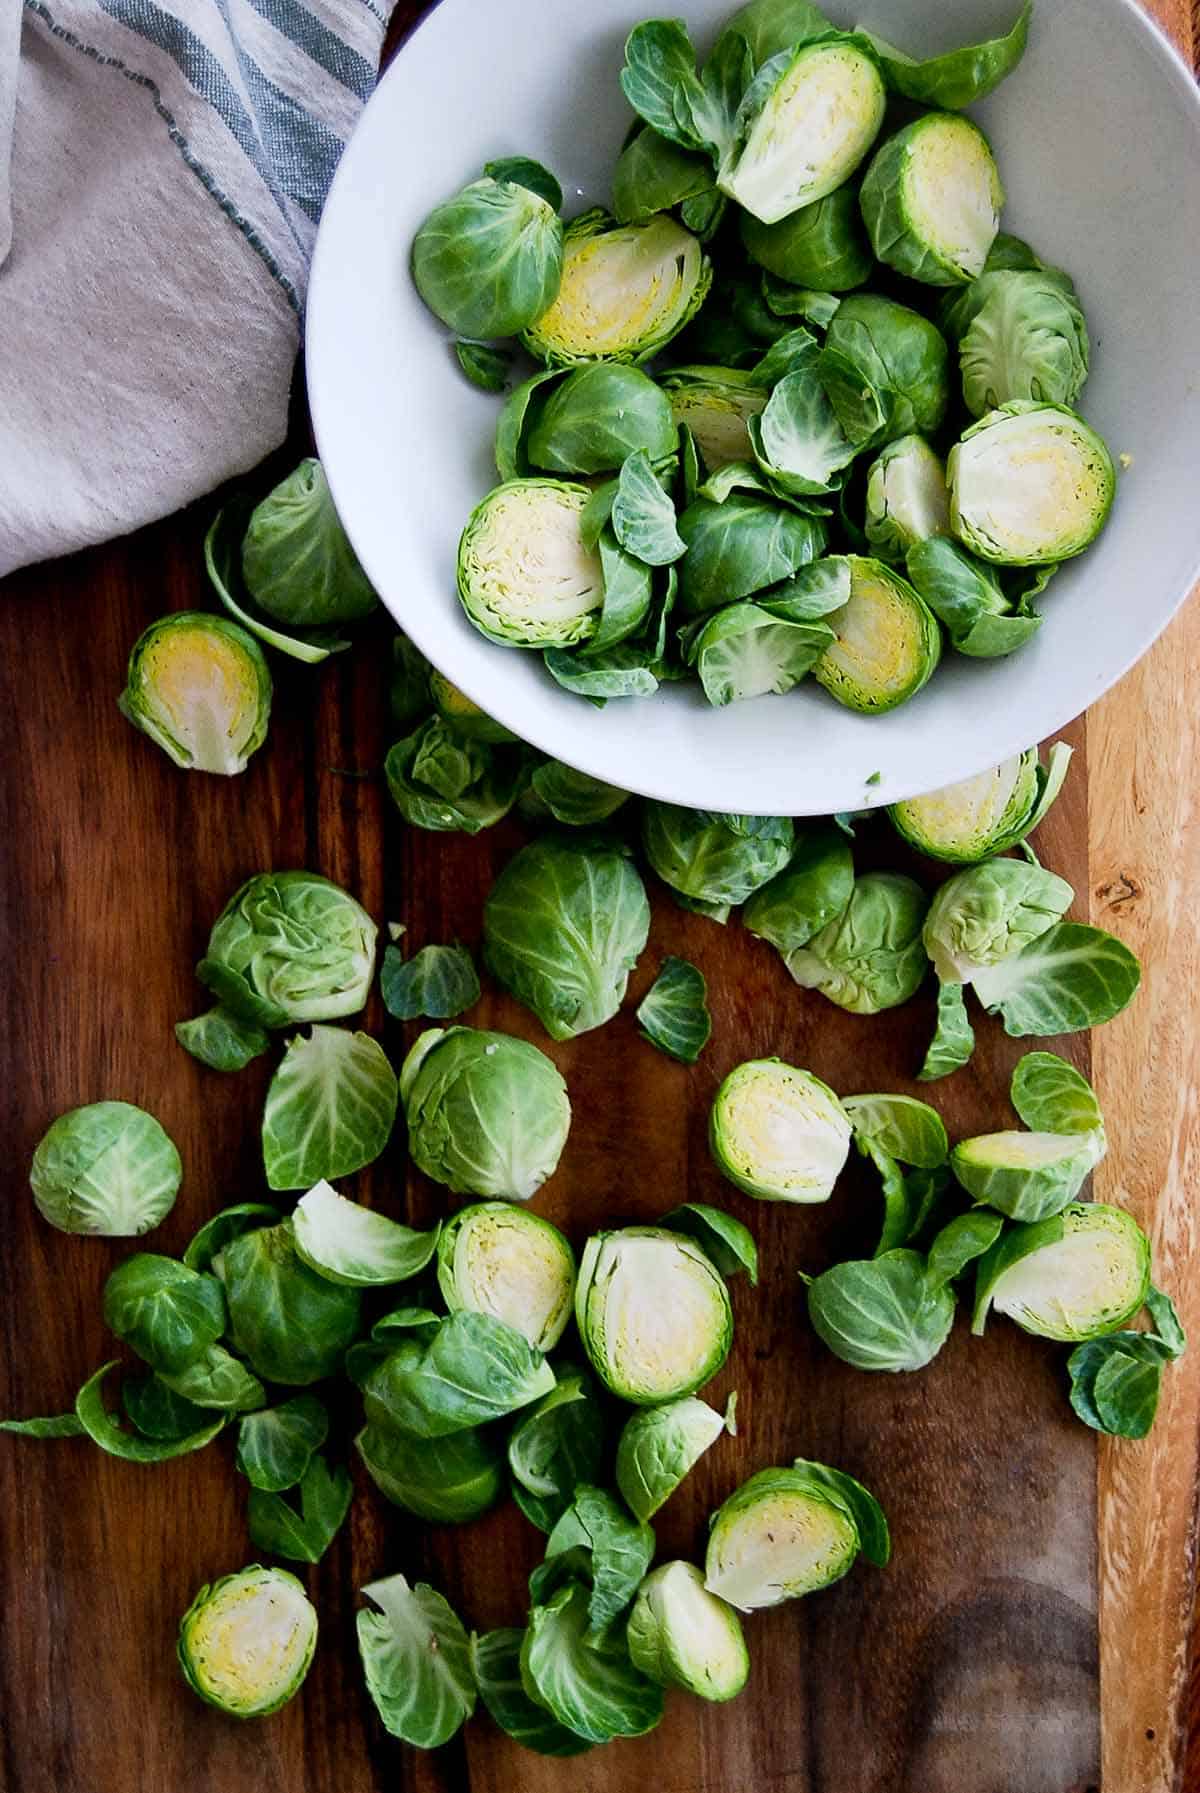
(325, 47)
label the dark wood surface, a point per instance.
(971, 1663)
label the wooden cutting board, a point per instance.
(971, 1663)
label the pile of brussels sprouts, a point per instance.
(803, 237)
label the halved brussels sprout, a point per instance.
(200, 687)
(788, 1532)
(715, 404)
(497, 1259)
(466, 718)
(887, 641)
(487, 1114)
(1027, 1176)
(907, 500)
(871, 957)
(778, 1132)
(246, 1641)
(296, 558)
(290, 946)
(598, 415)
(1078, 1275)
(626, 290)
(1028, 339)
(659, 1446)
(803, 126)
(524, 575)
(653, 1313)
(1029, 483)
(931, 200)
(489, 261)
(821, 246)
(965, 823)
(680, 1635)
(109, 1169)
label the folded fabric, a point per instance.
(162, 170)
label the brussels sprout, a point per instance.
(787, 1532)
(715, 403)
(957, 77)
(290, 946)
(748, 650)
(347, 1243)
(813, 891)
(598, 415)
(714, 861)
(464, 717)
(1029, 483)
(1028, 339)
(291, 1325)
(1075, 1275)
(654, 175)
(882, 1313)
(246, 1641)
(872, 956)
(658, 1447)
(968, 822)
(296, 559)
(453, 783)
(798, 441)
(562, 928)
(966, 596)
(907, 500)
(1116, 1379)
(200, 687)
(416, 1660)
(984, 916)
(884, 368)
(931, 200)
(653, 1314)
(438, 982)
(779, 1133)
(473, 1369)
(524, 575)
(574, 798)
(557, 1447)
(682, 1636)
(223, 563)
(446, 1481)
(329, 1110)
(820, 245)
(626, 290)
(740, 546)
(803, 126)
(673, 1015)
(108, 1169)
(222, 1040)
(886, 642)
(496, 1259)
(165, 1312)
(490, 260)
(784, 301)
(1028, 1176)
(496, 1666)
(588, 1684)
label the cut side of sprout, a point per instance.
(245, 1643)
(1091, 1281)
(907, 500)
(814, 126)
(932, 199)
(653, 1313)
(715, 404)
(524, 575)
(779, 1133)
(1029, 484)
(498, 1260)
(626, 290)
(199, 686)
(888, 642)
(964, 823)
(777, 1547)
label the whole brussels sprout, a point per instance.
(884, 368)
(872, 956)
(296, 558)
(290, 946)
(821, 246)
(597, 416)
(108, 1168)
(489, 260)
(246, 1641)
(200, 688)
(714, 862)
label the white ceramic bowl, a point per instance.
(1098, 139)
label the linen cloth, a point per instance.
(162, 169)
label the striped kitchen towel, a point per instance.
(162, 169)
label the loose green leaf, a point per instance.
(598, 1540)
(223, 561)
(216, 1233)
(1115, 1383)
(1069, 978)
(275, 1525)
(474, 1369)
(660, 60)
(165, 1312)
(557, 1447)
(674, 1013)
(1167, 1325)
(957, 78)
(959, 1243)
(293, 1325)
(484, 365)
(218, 1379)
(496, 1666)
(881, 1313)
(329, 1109)
(728, 1242)
(643, 517)
(222, 1040)
(417, 1662)
(350, 1244)
(447, 1481)
(438, 981)
(591, 1687)
(61, 1425)
(909, 1130)
(1051, 1096)
(659, 1446)
(274, 1447)
(954, 1040)
(103, 1429)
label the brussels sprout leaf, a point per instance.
(417, 1662)
(221, 1039)
(728, 1242)
(438, 981)
(496, 1666)
(303, 1536)
(60, 1425)
(222, 557)
(218, 1379)
(881, 1313)
(958, 77)
(589, 1686)
(959, 1243)
(527, 173)
(474, 1369)
(1071, 977)
(911, 1131)
(103, 1429)
(674, 1014)
(348, 1243)
(329, 1109)
(598, 1540)
(274, 1446)
(1167, 1325)
(485, 366)
(216, 1233)
(954, 1041)
(556, 1447)
(1051, 1096)
(643, 517)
